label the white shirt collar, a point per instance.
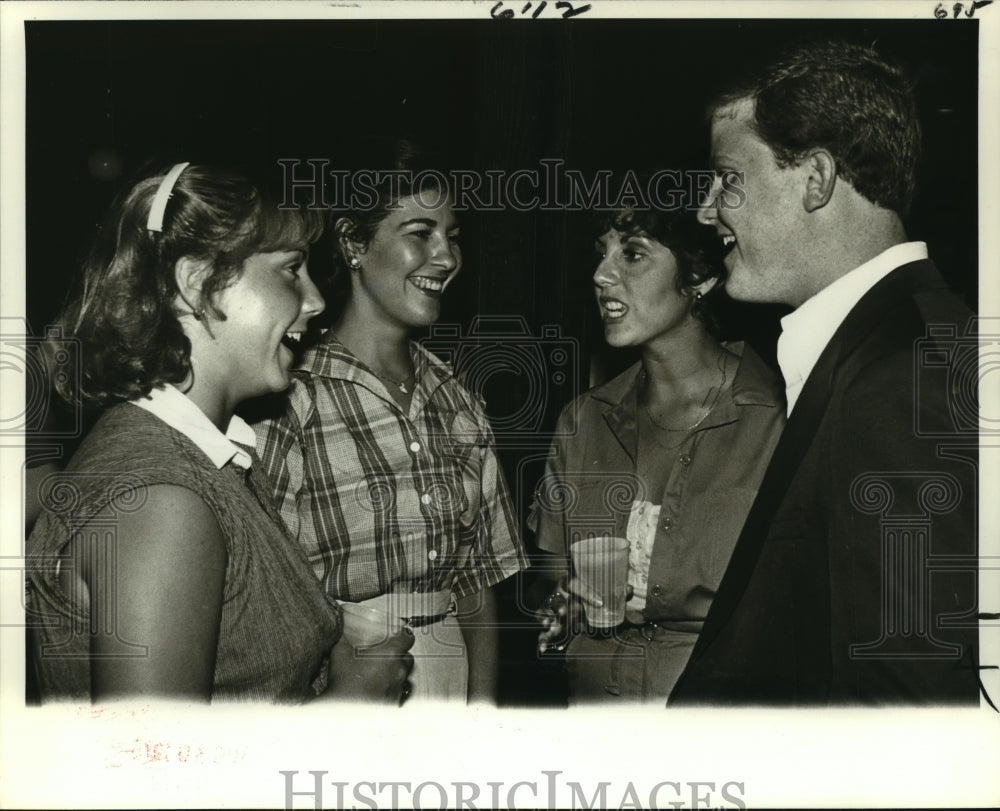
(181, 414)
(806, 331)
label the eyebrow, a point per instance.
(634, 235)
(428, 221)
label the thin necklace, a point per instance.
(723, 362)
(399, 384)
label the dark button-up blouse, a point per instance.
(591, 483)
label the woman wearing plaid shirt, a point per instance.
(383, 463)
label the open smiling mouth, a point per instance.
(613, 309)
(427, 285)
(728, 243)
(292, 341)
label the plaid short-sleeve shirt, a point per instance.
(385, 501)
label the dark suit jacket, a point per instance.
(853, 580)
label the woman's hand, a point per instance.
(375, 674)
(562, 613)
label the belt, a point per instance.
(420, 622)
(415, 609)
(647, 629)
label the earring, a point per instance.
(698, 295)
(354, 263)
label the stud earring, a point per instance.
(354, 263)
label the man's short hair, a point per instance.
(847, 99)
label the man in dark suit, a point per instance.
(854, 578)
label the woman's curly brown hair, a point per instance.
(123, 312)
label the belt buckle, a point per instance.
(420, 622)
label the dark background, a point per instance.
(489, 94)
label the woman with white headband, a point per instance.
(158, 567)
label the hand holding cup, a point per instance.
(371, 661)
(600, 566)
(562, 613)
(575, 600)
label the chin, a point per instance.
(431, 313)
(737, 288)
(617, 340)
(422, 320)
(279, 381)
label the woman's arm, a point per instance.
(477, 615)
(155, 585)
(281, 446)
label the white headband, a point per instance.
(163, 192)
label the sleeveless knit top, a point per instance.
(276, 626)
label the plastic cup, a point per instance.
(602, 564)
(365, 627)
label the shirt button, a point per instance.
(414, 446)
(432, 554)
(685, 459)
(425, 498)
(668, 522)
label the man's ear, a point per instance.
(821, 179)
(190, 275)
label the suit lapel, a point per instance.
(800, 430)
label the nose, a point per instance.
(447, 255)
(605, 275)
(707, 211)
(313, 302)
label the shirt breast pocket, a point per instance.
(452, 479)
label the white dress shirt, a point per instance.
(806, 331)
(181, 414)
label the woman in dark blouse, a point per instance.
(668, 454)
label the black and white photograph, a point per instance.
(499, 404)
